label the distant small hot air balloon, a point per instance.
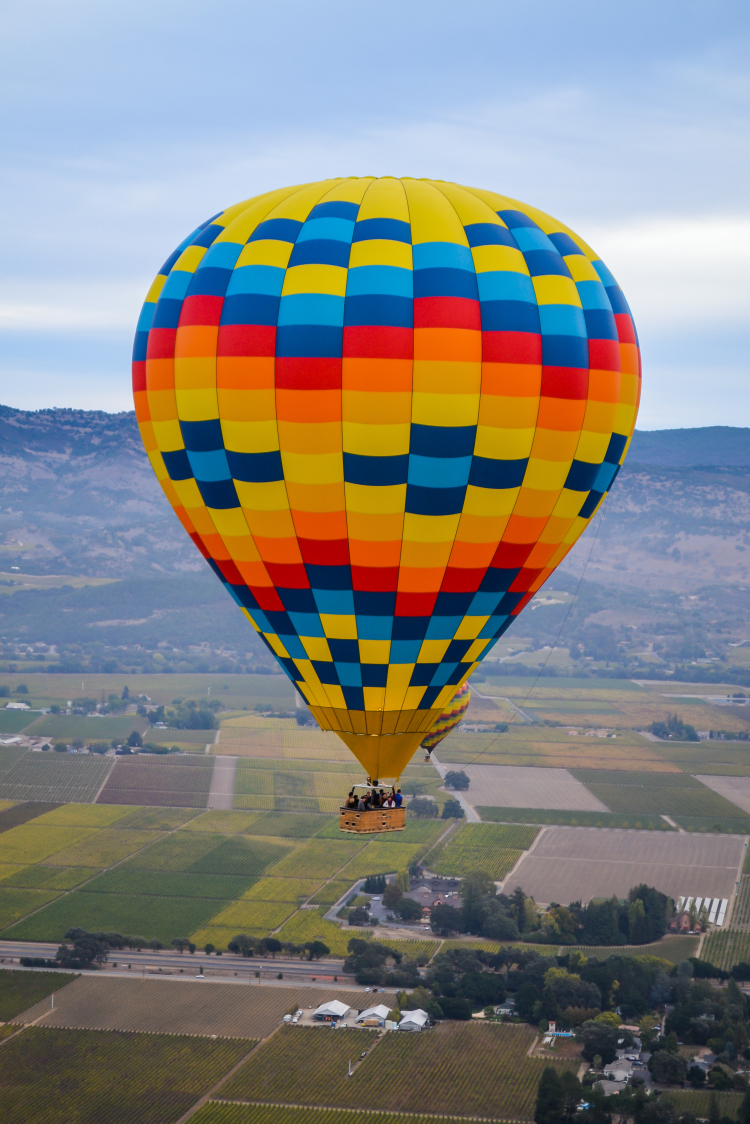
(448, 720)
(384, 410)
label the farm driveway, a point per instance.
(521, 786)
(222, 783)
(579, 863)
(736, 789)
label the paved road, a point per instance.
(169, 960)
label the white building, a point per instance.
(373, 1016)
(414, 1020)
(331, 1012)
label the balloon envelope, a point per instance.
(449, 719)
(384, 410)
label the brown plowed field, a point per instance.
(179, 1006)
(179, 782)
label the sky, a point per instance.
(124, 125)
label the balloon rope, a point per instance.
(559, 634)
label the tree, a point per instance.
(455, 1008)
(392, 895)
(550, 1098)
(445, 919)
(457, 780)
(81, 949)
(743, 1113)
(242, 945)
(423, 808)
(359, 916)
(181, 943)
(316, 949)
(571, 1090)
(696, 1076)
(518, 908)
(402, 880)
(452, 810)
(270, 945)
(637, 922)
(667, 1068)
(134, 739)
(714, 1115)
(408, 910)
(598, 1039)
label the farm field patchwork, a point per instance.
(317, 858)
(14, 814)
(13, 721)
(218, 1112)
(21, 990)
(558, 748)
(43, 877)
(381, 857)
(60, 1076)
(185, 1006)
(508, 786)
(578, 863)
(282, 890)
(734, 789)
(309, 925)
(59, 777)
(173, 884)
(67, 727)
(447, 1071)
(180, 781)
(31, 842)
(104, 848)
(643, 796)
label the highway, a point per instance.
(169, 961)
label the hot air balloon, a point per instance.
(384, 410)
(448, 720)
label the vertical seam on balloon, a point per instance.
(481, 365)
(329, 187)
(536, 423)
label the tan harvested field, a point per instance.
(579, 863)
(179, 1006)
(519, 786)
(736, 789)
(557, 748)
(243, 737)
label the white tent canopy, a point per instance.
(334, 1009)
(379, 1012)
(413, 1020)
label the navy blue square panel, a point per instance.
(383, 471)
(410, 628)
(326, 672)
(452, 604)
(497, 580)
(581, 476)
(422, 674)
(329, 577)
(374, 604)
(344, 651)
(600, 324)
(166, 313)
(456, 650)
(488, 234)
(177, 465)
(503, 628)
(336, 209)
(209, 282)
(202, 436)
(140, 347)
(543, 263)
(457, 674)
(298, 600)
(207, 236)
(514, 219)
(219, 494)
(434, 501)
(510, 316)
(589, 504)
(354, 698)
(617, 300)
(250, 308)
(279, 230)
(391, 230)
(565, 351)
(374, 674)
(323, 251)
(442, 440)
(309, 341)
(489, 473)
(440, 282)
(290, 668)
(564, 244)
(615, 449)
(255, 468)
(379, 309)
(280, 623)
(509, 602)
(245, 597)
(428, 699)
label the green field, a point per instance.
(21, 990)
(214, 1112)
(174, 885)
(730, 825)
(82, 1076)
(662, 799)
(572, 819)
(672, 948)
(60, 777)
(698, 1102)
(13, 721)
(131, 914)
(494, 848)
(447, 1071)
(17, 903)
(727, 947)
